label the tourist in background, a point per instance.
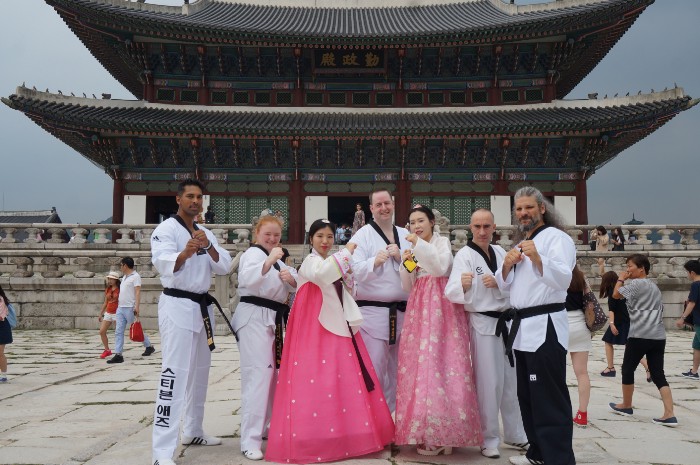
(108, 312)
(693, 269)
(545, 255)
(579, 343)
(618, 325)
(647, 336)
(601, 245)
(209, 215)
(129, 308)
(5, 334)
(618, 240)
(359, 219)
(328, 405)
(185, 255)
(473, 286)
(436, 399)
(265, 283)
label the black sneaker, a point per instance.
(149, 350)
(691, 375)
(116, 359)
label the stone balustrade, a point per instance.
(60, 284)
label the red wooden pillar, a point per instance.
(296, 213)
(581, 202)
(118, 202)
(402, 202)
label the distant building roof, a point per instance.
(28, 217)
(634, 221)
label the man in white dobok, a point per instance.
(185, 254)
(472, 284)
(380, 297)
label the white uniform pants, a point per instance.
(496, 386)
(385, 359)
(183, 382)
(256, 342)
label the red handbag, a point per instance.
(136, 332)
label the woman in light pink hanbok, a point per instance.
(328, 403)
(436, 403)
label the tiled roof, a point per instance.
(29, 217)
(401, 20)
(142, 118)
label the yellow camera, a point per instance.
(410, 264)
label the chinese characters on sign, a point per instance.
(356, 60)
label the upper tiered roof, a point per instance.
(357, 23)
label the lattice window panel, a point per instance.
(237, 210)
(284, 98)
(257, 205)
(481, 202)
(425, 201)
(457, 98)
(436, 98)
(189, 96)
(220, 208)
(461, 210)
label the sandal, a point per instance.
(648, 376)
(609, 372)
(433, 450)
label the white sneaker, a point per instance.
(491, 453)
(518, 445)
(253, 454)
(164, 462)
(201, 440)
(519, 460)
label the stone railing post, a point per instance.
(505, 240)
(221, 235)
(243, 237)
(100, 236)
(79, 236)
(145, 267)
(575, 235)
(126, 236)
(57, 235)
(460, 239)
(113, 263)
(52, 264)
(688, 236)
(24, 267)
(665, 237)
(83, 263)
(31, 236)
(9, 236)
(143, 235)
(642, 236)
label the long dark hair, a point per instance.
(4, 296)
(578, 280)
(607, 284)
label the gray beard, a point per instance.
(527, 227)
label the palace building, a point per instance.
(306, 106)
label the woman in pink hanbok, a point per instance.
(328, 403)
(436, 403)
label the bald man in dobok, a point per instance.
(472, 284)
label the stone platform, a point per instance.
(65, 406)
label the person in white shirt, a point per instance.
(472, 284)
(537, 271)
(379, 294)
(185, 255)
(128, 309)
(265, 283)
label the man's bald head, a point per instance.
(482, 227)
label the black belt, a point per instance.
(281, 316)
(204, 300)
(516, 315)
(393, 317)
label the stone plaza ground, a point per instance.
(65, 406)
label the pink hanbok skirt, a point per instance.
(322, 410)
(436, 402)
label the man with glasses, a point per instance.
(128, 309)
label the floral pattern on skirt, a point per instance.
(436, 400)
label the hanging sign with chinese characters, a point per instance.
(348, 61)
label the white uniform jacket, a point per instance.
(529, 288)
(323, 273)
(167, 241)
(251, 281)
(434, 258)
(478, 298)
(382, 283)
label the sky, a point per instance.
(656, 180)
